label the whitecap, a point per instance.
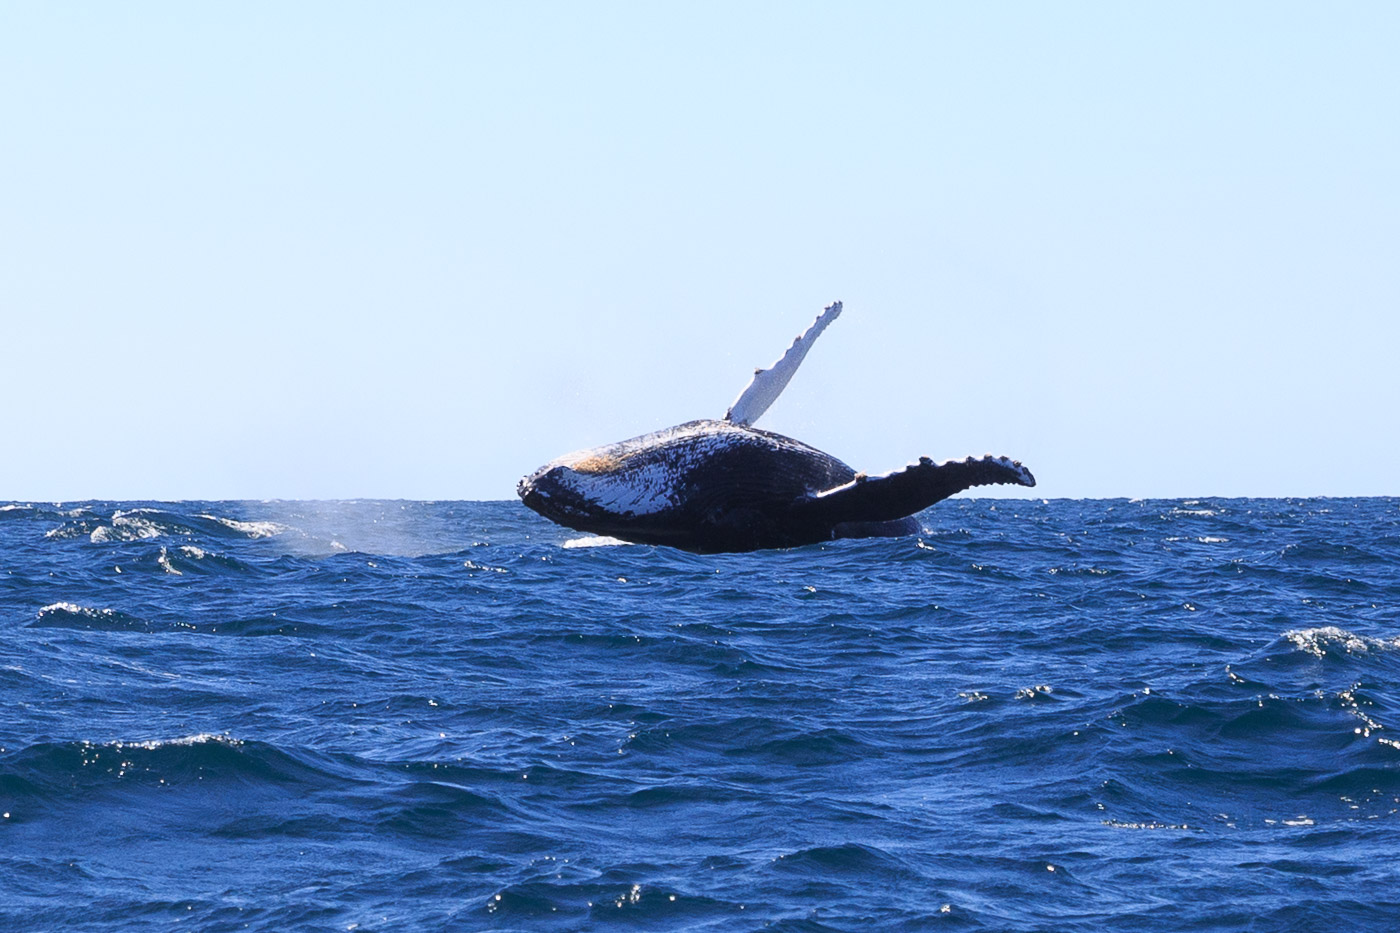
(164, 561)
(199, 738)
(473, 565)
(1152, 824)
(251, 529)
(75, 609)
(1315, 641)
(126, 526)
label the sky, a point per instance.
(341, 250)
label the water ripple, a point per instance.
(1080, 716)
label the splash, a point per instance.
(595, 541)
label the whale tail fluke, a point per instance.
(912, 489)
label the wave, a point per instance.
(248, 529)
(53, 771)
(1325, 754)
(1039, 715)
(192, 559)
(1329, 639)
(1344, 556)
(602, 903)
(850, 857)
(73, 616)
(145, 522)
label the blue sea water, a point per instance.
(1063, 715)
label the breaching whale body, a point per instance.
(713, 486)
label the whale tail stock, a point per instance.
(903, 492)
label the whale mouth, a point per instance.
(531, 496)
(548, 492)
(534, 495)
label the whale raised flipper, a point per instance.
(904, 492)
(768, 384)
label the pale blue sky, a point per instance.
(354, 250)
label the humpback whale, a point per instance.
(723, 485)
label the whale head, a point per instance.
(604, 490)
(555, 492)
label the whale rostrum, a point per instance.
(712, 486)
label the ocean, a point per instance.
(1064, 715)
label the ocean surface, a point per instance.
(1063, 716)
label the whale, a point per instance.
(722, 485)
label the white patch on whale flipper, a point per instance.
(769, 383)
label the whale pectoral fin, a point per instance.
(768, 384)
(904, 492)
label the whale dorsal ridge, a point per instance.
(768, 384)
